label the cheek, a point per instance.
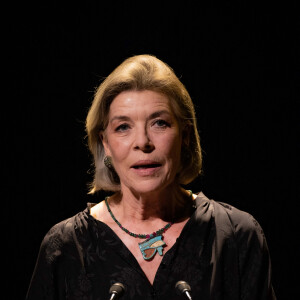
(119, 149)
(172, 147)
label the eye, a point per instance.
(122, 127)
(161, 123)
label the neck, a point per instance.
(170, 205)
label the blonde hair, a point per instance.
(142, 72)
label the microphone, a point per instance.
(116, 290)
(183, 288)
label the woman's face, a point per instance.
(144, 140)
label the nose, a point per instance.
(143, 141)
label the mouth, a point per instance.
(140, 165)
(146, 166)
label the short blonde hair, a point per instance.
(142, 72)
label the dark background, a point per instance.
(238, 60)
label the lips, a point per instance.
(146, 164)
(146, 168)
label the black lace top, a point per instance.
(221, 253)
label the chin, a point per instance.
(148, 186)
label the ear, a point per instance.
(105, 144)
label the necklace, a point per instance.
(153, 242)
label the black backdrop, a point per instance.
(238, 61)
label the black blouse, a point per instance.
(221, 253)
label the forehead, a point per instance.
(139, 101)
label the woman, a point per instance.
(150, 233)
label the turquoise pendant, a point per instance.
(151, 246)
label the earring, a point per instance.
(108, 162)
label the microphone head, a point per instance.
(117, 288)
(182, 287)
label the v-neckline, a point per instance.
(123, 251)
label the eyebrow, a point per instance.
(158, 114)
(119, 118)
(152, 116)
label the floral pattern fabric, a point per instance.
(221, 252)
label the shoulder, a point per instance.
(229, 220)
(63, 235)
(239, 221)
(239, 227)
